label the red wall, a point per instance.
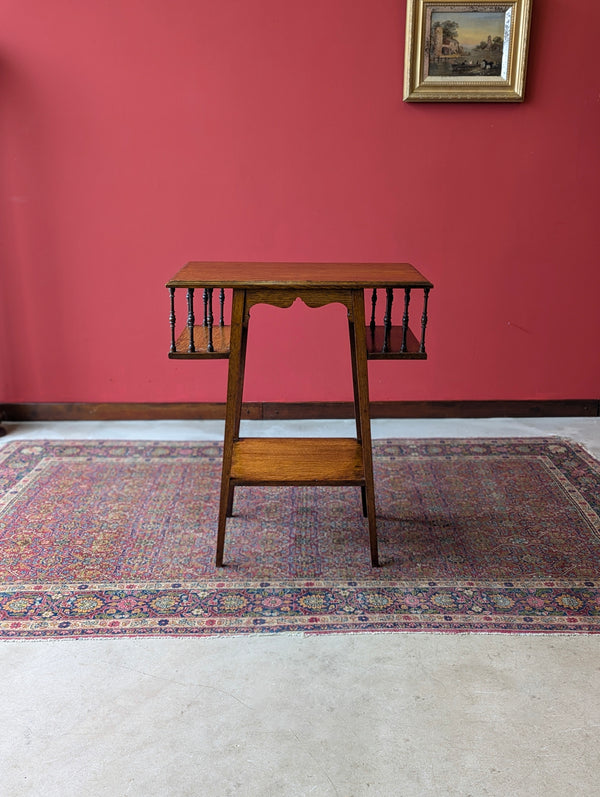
(138, 134)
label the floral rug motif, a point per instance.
(118, 538)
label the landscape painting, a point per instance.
(466, 51)
(468, 43)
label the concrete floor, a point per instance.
(348, 715)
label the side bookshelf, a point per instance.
(206, 333)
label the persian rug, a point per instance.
(118, 538)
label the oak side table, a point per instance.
(235, 288)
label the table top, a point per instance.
(298, 275)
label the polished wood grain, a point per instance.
(285, 297)
(298, 275)
(297, 461)
(220, 339)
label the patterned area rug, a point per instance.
(118, 538)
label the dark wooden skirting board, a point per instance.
(133, 411)
(438, 409)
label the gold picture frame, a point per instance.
(466, 51)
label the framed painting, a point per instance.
(466, 52)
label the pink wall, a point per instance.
(138, 134)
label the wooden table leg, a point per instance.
(356, 399)
(233, 413)
(363, 421)
(237, 408)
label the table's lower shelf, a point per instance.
(297, 461)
